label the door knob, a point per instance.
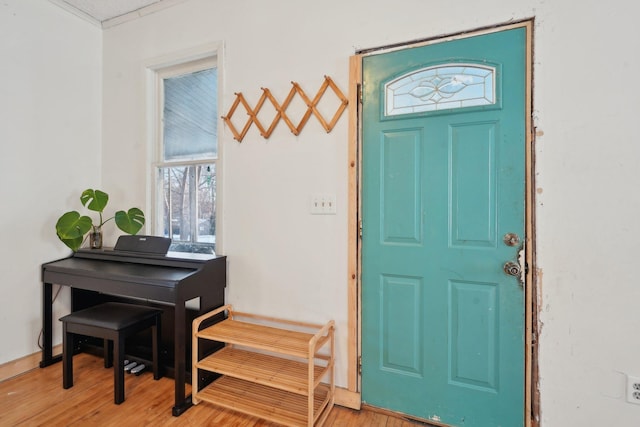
(512, 268)
(511, 239)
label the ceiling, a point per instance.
(107, 13)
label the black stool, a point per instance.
(113, 322)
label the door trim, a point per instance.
(354, 252)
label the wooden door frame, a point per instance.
(351, 397)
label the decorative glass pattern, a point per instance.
(440, 88)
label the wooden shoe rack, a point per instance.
(275, 369)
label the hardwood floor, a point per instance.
(37, 398)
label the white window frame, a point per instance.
(157, 69)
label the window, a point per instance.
(440, 88)
(187, 156)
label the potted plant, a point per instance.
(72, 227)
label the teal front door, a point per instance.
(443, 211)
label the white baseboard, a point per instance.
(24, 364)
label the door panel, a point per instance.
(473, 193)
(401, 311)
(473, 334)
(443, 142)
(400, 174)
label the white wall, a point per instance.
(286, 262)
(586, 104)
(50, 102)
(283, 261)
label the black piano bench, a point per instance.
(113, 322)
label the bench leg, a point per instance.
(118, 370)
(67, 358)
(108, 353)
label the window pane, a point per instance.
(190, 116)
(206, 232)
(189, 207)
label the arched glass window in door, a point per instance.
(441, 87)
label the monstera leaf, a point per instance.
(94, 200)
(71, 228)
(72, 225)
(130, 222)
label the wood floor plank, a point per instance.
(37, 398)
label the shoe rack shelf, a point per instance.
(274, 369)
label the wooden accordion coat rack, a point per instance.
(281, 110)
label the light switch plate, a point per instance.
(323, 204)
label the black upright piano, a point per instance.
(169, 281)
